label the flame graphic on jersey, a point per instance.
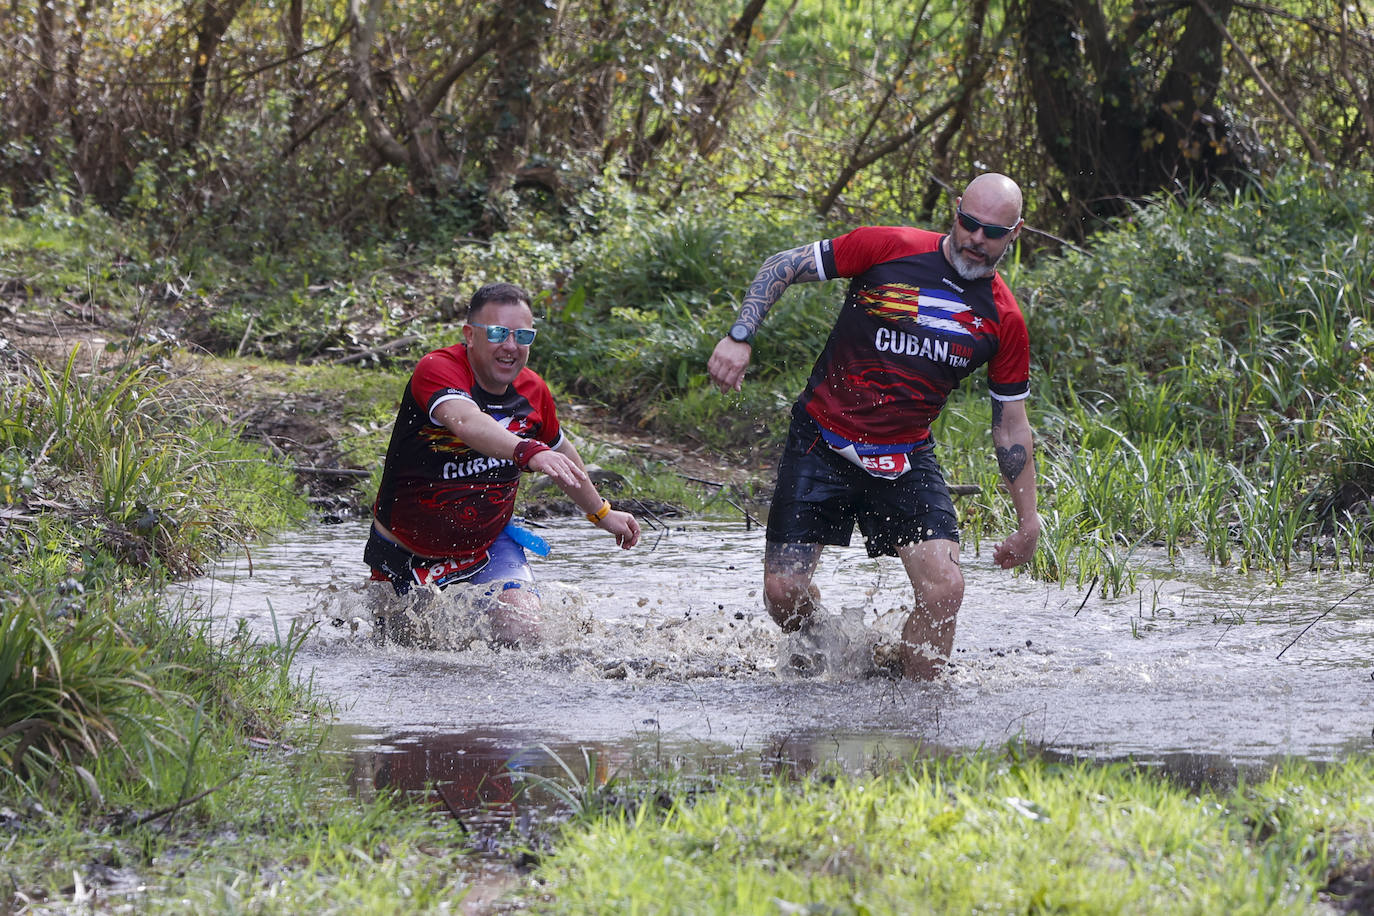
(892, 301)
(442, 439)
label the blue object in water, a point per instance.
(528, 539)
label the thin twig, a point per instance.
(1352, 594)
(453, 808)
(649, 512)
(1091, 585)
(747, 517)
(184, 803)
(709, 483)
(654, 522)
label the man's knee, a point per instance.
(514, 616)
(933, 567)
(789, 600)
(943, 585)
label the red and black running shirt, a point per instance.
(439, 497)
(910, 330)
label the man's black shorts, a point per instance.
(820, 495)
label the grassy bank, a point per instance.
(994, 833)
(146, 760)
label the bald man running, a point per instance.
(923, 310)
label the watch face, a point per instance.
(740, 333)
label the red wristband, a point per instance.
(526, 450)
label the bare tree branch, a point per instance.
(1312, 149)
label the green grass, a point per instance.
(145, 474)
(988, 834)
(104, 694)
(283, 841)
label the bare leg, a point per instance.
(928, 634)
(788, 593)
(515, 617)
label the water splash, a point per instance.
(672, 642)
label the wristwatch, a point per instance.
(740, 333)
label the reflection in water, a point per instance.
(670, 644)
(495, 782)
(468, 774)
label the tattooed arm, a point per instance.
(1015, 444)
(731, 357)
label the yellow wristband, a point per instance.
(605, 510)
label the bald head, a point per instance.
(995, 196)
(989, 220)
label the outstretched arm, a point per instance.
(621, 524)
(779, 271)
(1015, 444)
(479, 431)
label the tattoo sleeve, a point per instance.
(797, 265)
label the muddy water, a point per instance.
(665, 650)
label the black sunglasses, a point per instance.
(973, 225)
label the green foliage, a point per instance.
(1000, 833)
(1199, 369)
(285, 836)
(100, 691)
(66, 247)
(157, 479)
(72, 684)
(644, 315)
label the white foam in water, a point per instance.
(831, 647)
(671, 639)
(617, 640)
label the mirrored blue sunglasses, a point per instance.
(497, 334)
(973, 225)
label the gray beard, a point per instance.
(970, 271)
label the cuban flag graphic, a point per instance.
(934, 309)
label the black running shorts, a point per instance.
(820, 495)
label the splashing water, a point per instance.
(669, 642)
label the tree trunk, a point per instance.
(295, 47)
(41, 104)
(510, 117)
(213, 22)
(1110, 136)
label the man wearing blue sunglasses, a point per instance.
(473, 417)
(923, 310)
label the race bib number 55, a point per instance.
(885, 465)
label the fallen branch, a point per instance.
(378, 350)
(330, 472)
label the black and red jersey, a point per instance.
(439, 497)
(909, 331)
